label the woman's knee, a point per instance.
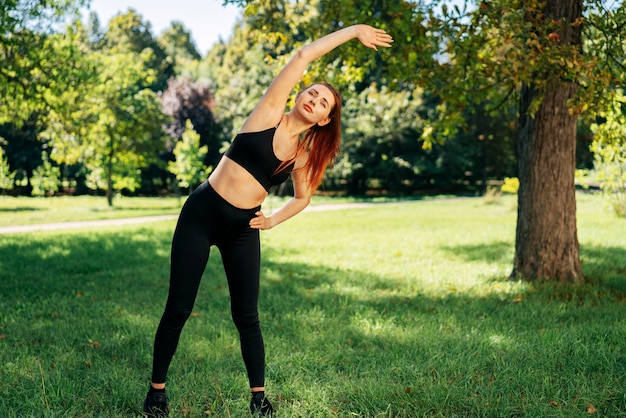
(246, 321)
(176, 316)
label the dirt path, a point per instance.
(15, 229)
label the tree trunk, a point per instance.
(546, 242)
(109, 169)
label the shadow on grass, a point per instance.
(85, 306)
(604, 267)
(496, 252)
(385, 348)
(173, 207)
(20, 209)
(604, 259)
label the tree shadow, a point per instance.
(84, 305)
(496, 252)
(604, 267)
(600, 259)
(426, 348)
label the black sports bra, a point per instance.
(254, 151)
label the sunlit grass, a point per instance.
(396, 310)
(36, 210)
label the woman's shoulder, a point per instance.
(262, 119)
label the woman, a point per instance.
(225, 210)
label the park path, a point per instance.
(15, 229)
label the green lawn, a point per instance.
(396, 310)
(38, 210)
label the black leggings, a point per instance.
(207, 219)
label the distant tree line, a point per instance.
(109, 105)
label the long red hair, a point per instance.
(320, 142)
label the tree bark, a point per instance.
(546, 242)
(109, 168)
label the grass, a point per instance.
(396, 310)
(37, 210)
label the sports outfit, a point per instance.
(207, 219)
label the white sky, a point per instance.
(207, 20)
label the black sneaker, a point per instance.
(155, 405)
(260, 406)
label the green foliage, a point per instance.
(29, 67)
(379, 142)
(188, 166)
(115, 126)
(128, 33)
(239, 74)
(7, 177)
(609, 147)
(612, 174)
(466, 54)
(468, 59)
(46, 178)
(177, 43)
(493, 49)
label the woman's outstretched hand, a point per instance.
(372, 37)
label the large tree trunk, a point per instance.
(546, 242)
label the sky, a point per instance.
(207, 20)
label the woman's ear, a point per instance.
(324, 122)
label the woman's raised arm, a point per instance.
(272, 105)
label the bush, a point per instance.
(511, 185)
(46, 178)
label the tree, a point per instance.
(538, 46)
(115, 128)
(188, 167)
(191, 101)
(28, 67)
(35, 69)
(7, 177)
(46, 178)
(128, 33)
(379, 145)
(609, 148)
(177, 43)
(237, 78)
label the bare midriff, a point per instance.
(236, 185)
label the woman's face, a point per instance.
(315, 104)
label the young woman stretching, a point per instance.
(225, 210)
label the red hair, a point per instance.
(320, 142)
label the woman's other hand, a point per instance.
(372, 37)
(260, 221)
